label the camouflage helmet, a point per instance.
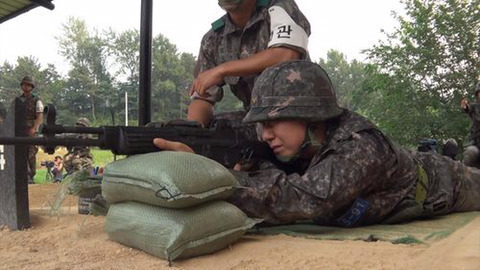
(27, 79)
(83, 121)
(293, 90)
(477, 89)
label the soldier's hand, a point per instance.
(206, 80)
(32, 132)
(464, 103)
(172, 146)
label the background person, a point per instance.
(471, 154)
(3, 113)
(79, 157)
(251, 36)
(33, 120)
(57, 170)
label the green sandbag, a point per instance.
(169, 179)
(176, 233)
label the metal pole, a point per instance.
(126, 108)
(145, 91)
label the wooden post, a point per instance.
(14, 208)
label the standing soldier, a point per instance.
(3, 113)
(79, 157)
(251, 36)
(471, 154)
(34, 118)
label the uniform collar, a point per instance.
(258, 15)
(31, 96)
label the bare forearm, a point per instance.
(38, 120)
(258, 62)
(200, 111)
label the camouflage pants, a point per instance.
(471, 156)
(31, 163)
(73, 162)
(453, 187)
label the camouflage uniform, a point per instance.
(79, 157)
(471, 155)
(267, 28)
(357, 176)
(3, 113)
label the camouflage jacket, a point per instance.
(32, 103)
(80, 151)
(226, 42)
(473, 111)
(357, 177)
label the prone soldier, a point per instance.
(335, 166)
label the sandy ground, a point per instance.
(73, 241)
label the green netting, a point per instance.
(176, 233)
(168, 179)
(420, 231)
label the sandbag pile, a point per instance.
(171, 204)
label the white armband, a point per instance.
(39, 107)
(284, 30)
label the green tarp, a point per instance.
(421, 231)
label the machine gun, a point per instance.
(221, 142)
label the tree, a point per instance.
(346, 77)
(125, 47)
(48, 83)
(171, 79)
(424, 69)
(89, 84)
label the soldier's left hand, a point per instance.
(172, 146)
(206, 80)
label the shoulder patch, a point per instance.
(263, 3)
(218, 24)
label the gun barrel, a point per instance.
(57, 129)
(44, 141)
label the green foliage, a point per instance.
(347, 78)
(427, 65)
(103, 157)
(103, 67)
(89, 84)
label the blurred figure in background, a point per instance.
(79, 157)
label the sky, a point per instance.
(348, 26)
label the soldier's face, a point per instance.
(26, 87)
(285, 137)
(230, 5)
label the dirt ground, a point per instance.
(73, 241)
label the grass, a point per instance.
(100, 158)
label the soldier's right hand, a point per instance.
(464, 103)
(172, 146)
